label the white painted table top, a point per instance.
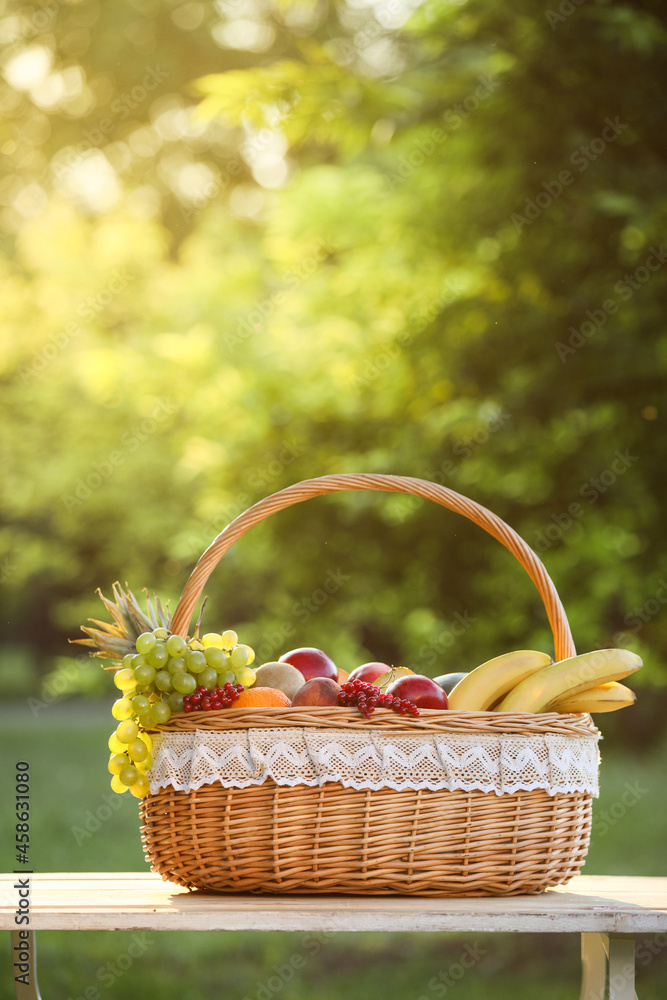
(142, 901)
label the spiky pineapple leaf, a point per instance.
(113, 640)
(119, 616)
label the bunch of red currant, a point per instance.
(203, 700)
(365, 697)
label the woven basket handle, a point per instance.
(563, 642)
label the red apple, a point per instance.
(420, 690)
(369, 672)
(311, 662)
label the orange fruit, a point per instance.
(262, 697)
(343, 676)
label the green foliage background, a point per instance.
(351, 255)
(255, 241)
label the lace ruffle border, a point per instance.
(362, 759)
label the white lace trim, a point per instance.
(362, 759)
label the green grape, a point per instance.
(160, 713)
(161, 633)
(195, 660)
(176, 645)
(117, 762)
(127, 731)
(185, 683)
(140, 704)
(138, 660)
(212, 640)
(144, 674)
(117, 785)
(163, 680)
(208, 678)
(226, 676)
(124, 679)
(175, 702)
(145, 642)
(239, 657)
(147, 740)
(141, 787)
(144, 720)
(122, 709)
(137, 750)
(229, 639)
(158, 655)
(127, 661)
(176, 665)
(145, 764)
(214, 657)
(115, 745)
(251, 652)
(129, 774)
(246, 676)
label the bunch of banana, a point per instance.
(528, 681)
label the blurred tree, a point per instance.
(419, 241)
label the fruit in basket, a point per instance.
(384, 681)
(263, 697)
(116, 640)
(311, 662)
(158, 673)
(317, 691)
(367, 697)
(282, 676)
(369, 672)
(141, 787)
(422, 691)
(246, 676)
(486, 684)
(204, 700)
(571, 676)
(603, 698)
(449, 681)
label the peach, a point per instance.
(317, 691)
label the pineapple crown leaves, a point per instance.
(114, 640)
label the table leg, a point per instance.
(594, 967)
(621, 951)
(24, 966)
(615, 952)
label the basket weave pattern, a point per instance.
(302, 839)
(333, 839)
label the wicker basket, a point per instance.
(336, 839)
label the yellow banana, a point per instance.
(487, 683)
(578, 673)
(603, 698)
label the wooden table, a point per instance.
(607, 912)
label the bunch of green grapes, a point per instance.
(130, 759)
(154, 681)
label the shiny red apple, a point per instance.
(369, 672)
(420, 690)
(311, 662)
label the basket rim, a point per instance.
(385, 720)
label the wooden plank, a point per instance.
(142, 901)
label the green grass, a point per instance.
(78, 825)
